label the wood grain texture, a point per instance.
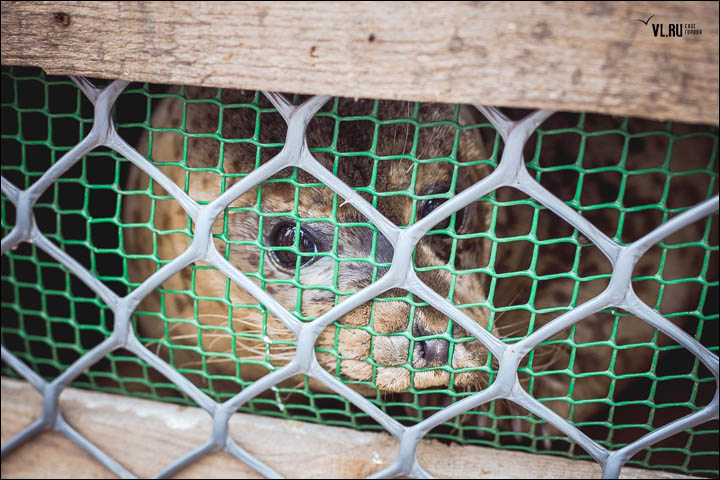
(145, 435)
(592, 56)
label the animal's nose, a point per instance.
(432, 352)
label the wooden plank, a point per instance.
(145, 436)
(593, 56)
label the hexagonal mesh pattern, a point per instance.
(50, 253)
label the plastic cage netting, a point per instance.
(69, 295)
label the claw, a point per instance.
(516, 423)
(517, 427)
(410, 411)
(544, 432)
(483, 423)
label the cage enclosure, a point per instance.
(535, 281)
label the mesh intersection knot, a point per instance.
(511, 171)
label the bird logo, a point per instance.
(645, 21)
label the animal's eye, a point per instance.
(283, 235)
(427, 206)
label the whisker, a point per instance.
(511, 326)
(200, 361)
(215, 339)
(238, 319)
(213, 315)
(549, 355)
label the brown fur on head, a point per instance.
(242, 330)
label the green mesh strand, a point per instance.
(50, 318)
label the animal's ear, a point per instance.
(198, 93)
(472, 141)
(168, 113)
(469, 115)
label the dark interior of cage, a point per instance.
(48, 293)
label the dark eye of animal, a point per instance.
(283, 235)
(427, 206)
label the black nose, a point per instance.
(433, 352)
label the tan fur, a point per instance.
(351, 347)
(354, 345)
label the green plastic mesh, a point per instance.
(50, 318)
